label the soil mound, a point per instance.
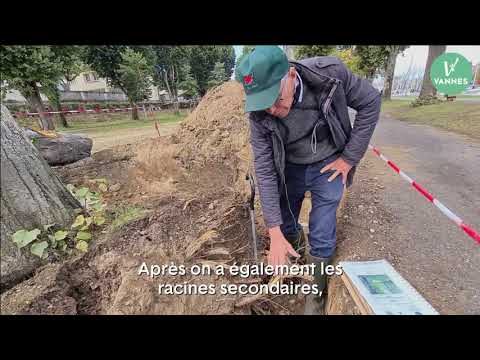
(191, 187)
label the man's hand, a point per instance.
(279, 248)
(340, 166)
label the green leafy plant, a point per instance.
(37, 239)
(58, 240)
(94, 212)
(24, 237)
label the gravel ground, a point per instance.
(386, 218)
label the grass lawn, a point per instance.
(108, 130)
(460, 117)
(94, 124)
(459, 97)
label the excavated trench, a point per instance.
(192, 189)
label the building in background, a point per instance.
(89, 87)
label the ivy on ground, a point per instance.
(62, 241)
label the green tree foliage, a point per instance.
(105, 60)
(227, 57)
(307, 51)
(350, 59)
(380, 58)
(218, 75)
(169, 64)
(203, 59)
(189, 84)
(344, 47)
(70, 61)
(135, 76)
(372, 58)
(71, 66)
(24, 68)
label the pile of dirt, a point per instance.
(217, 132)
(192, 187)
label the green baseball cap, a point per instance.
(260, 73)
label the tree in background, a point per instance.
(189, 84)
(71, 63)
(308, 51)
(26, 68)
(135, 75)
(3, 90)
(345, 53)
(372, 58)
(380, 58)
(350, 59)
(428, 90)
(107, 60)
(227, 57)
(71, 66)
(169, 64)
(389, 68)
(217, 76)
(202, 61)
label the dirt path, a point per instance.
(386, 218)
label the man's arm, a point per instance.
(366, 100)
(266, 173)
(267, 181)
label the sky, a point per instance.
(417, 55)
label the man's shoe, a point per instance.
(315, 304)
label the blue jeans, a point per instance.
(326, 197)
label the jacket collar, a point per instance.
(313, 77)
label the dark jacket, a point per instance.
(337, 88)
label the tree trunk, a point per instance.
(34, 99)
(389, 72)
(176, 106)
(58, 107)
(134, 111)
(434, 51)
(31, 196)
(63, 119)
(370, 77)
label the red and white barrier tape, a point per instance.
(85, 111)
(446, 211)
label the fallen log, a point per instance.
(62, 149)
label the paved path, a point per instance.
(440, 260)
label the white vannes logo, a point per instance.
(451, 68)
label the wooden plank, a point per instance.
(363, 306)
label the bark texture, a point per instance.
(434, 51)
(31, 196)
